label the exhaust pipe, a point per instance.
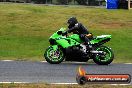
(97, 52)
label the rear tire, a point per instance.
(106, 59)
(52, 58)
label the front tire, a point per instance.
(105, 59)
(54, 56)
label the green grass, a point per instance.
(25, 28)
(40, 85)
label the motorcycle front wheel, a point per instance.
(54, 56)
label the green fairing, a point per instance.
(100, 38)
(64, 42)
(55, 35)
(70, 41)
(74, 39)
(55, 47)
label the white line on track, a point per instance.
(67, 62)
(76, 62)
(43, 61)
(78, 84)
(30, 82)
(64, 83)
(119, 84)
(127, 63)
(84, 62)
(14, 82)
(101, 84)
(7, 60)
(62, 62)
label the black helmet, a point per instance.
(72, 21)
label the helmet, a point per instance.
(72, 21)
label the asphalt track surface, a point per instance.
(34, 72)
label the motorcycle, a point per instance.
(72, 48)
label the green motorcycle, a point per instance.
(72, 48)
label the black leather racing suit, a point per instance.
(80, 30)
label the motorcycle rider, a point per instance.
(78, 28)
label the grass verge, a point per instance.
(25, 28)
(12, 85)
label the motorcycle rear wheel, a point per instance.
(105, 59)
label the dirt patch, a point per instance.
(111, 25)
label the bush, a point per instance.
(64, 2)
